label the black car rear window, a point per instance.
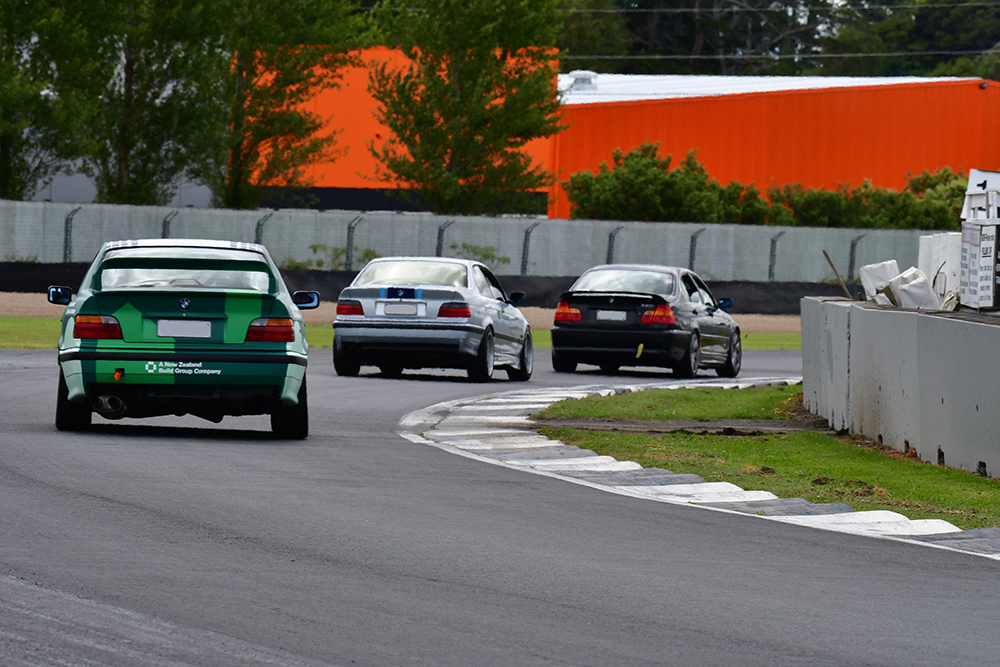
(625, 280)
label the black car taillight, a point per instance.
(97, 326)
(566, 314)
(271, 330)
(349, 307)
(662, 315)
(454, 309)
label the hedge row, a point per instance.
(642, 186)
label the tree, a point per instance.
(155, 104)
(730, 37)
(39, 115)
(591, 27)
(642, 186)
(278, 55)
(480, 84)
(926, 39)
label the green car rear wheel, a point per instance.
(292, 422)
(70, 416)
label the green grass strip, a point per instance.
(771, 341)
(816, 466)
(699, 403)
(29, 333)
(319, 335)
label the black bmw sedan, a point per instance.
(644, 315)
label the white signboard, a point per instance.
(979, 254)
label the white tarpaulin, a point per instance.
(884, 284)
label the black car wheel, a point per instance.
(70, 416)
(688, 367)
(391, 370)
(562, 365)
(527, 359)
(732, 366)
(292, 421)
(482, 367)
(345, 363)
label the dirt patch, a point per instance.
(733, 427)
(26, 304)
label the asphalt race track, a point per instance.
(173, 541)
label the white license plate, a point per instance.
(184, 328)
(612, 315)
(400, 309)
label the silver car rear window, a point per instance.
(447, 274)
(625, 280)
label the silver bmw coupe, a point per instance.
(431, 312)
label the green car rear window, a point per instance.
(201, 275)
(120, 278)
(413, 273)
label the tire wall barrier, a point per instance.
(908, 379)
(50, 233)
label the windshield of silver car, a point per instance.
(625, 280)
(390, 272)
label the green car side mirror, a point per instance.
(60, 295)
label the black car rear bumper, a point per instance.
(622, 348)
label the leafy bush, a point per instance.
(642, 186)
(330, 258)
(485, 254)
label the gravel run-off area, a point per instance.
(19, 304)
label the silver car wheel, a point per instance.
(526, 359)
(481, 369)
(490, 353)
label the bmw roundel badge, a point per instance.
(185, 304)
(399, 293)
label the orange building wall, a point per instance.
(819, 138)
(350, 109)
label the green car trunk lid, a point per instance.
(228, 315)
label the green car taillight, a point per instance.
(271, 330)
(97, 327)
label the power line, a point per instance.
(775, 56)
(794, 8)
(786, 9)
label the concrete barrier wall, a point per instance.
(908, 379)
(825, 359)
(54, 233)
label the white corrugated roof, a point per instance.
(636, 87)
